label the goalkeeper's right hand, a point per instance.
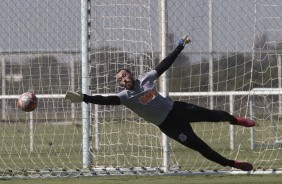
(74, 97)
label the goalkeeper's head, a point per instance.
(125, 79)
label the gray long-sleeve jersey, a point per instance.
(145, 100)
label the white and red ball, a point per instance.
(27, 101)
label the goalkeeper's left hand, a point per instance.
(74, 97)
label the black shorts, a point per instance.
(177, 126)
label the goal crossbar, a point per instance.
(255, 91)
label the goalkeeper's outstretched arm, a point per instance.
(102, 100)
(76, 97)
(168, 61)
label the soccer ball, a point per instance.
(27, 101)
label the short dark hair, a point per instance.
(124, 70)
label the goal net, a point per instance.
(233, 63)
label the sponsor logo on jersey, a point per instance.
(147, 97)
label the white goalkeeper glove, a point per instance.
(74, 97)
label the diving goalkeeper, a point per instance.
(172, 117)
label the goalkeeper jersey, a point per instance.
(145, 100)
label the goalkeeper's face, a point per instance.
(125, 79)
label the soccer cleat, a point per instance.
(244, 166)
(183, 41)
(245, 122)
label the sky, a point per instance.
(133, 25)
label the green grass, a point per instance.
(59, 147)
(202, 179)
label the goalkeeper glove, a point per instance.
(74, 97)
(184, 40)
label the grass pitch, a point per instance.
(199, 179)
(58, 147)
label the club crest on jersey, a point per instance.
(148, 84)
(147, 97)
